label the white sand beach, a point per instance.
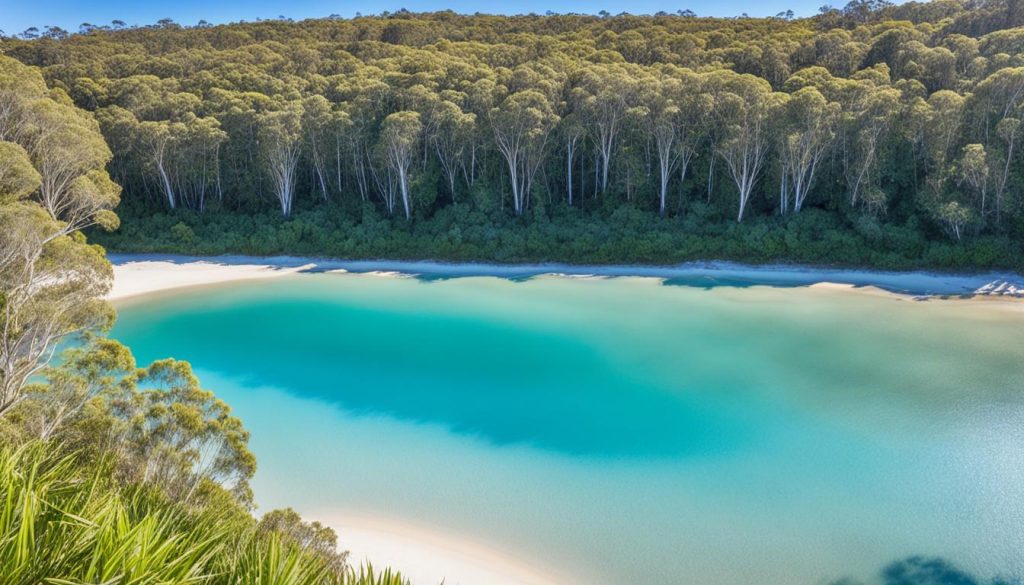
(149, 276)
(429, 557)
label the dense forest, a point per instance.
(874, 134)
(111, 472)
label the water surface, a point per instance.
(621, 430)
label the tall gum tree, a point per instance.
(521, 127)
(869, 113)
(400, 137)
(744, 109)
(608, 92)
(942, 127)
(317, 118)
(451, 132)
(51, 281)
(807, 133)
(675, 108)
(280, 140)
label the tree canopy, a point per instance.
(362, 134)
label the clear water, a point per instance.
(625, 430)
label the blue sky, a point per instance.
(17, 15)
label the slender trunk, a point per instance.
(711, 178)
(664, 141)
(337, 161)
(1002, 183)
(404, 185)
(165, 179)
(783, 195)
(570, 151)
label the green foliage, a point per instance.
(628, 234)
(312, 537)
(183, 234)
(18, 178)
(65, 521)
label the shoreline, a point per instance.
(135, 278)
(141, 274)
(425, 555)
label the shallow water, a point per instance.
(620, 430)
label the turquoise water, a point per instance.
(623, 430)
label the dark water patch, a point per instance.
(709, 282)
(921, 570)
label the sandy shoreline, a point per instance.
(426, 556)
(143, 274)
(135, 278)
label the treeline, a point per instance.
(110, 472)
(898, 126)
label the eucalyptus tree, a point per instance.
(451, 132)
(481, 97)
(572, 134)
(973, 171)
(522, 124)
(806, 136)
(280, 141)
(51, 281)
(606, 92)
(955, 217)
(340, 127)
(18, 180)
(1009, 131)
(70, 153)
(745, 107)
(183, 154)
(202, 160)
(87, 374)
(942, 128)
(64, 145)
(242, 115)
(366, 106)
(661, 111)
(869, 113)
(317, 121)
(400, 137)
(179, 437)
(997, 97)
(52, 287)
(676, 111)
(160, 138)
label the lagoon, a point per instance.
(623, 430)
